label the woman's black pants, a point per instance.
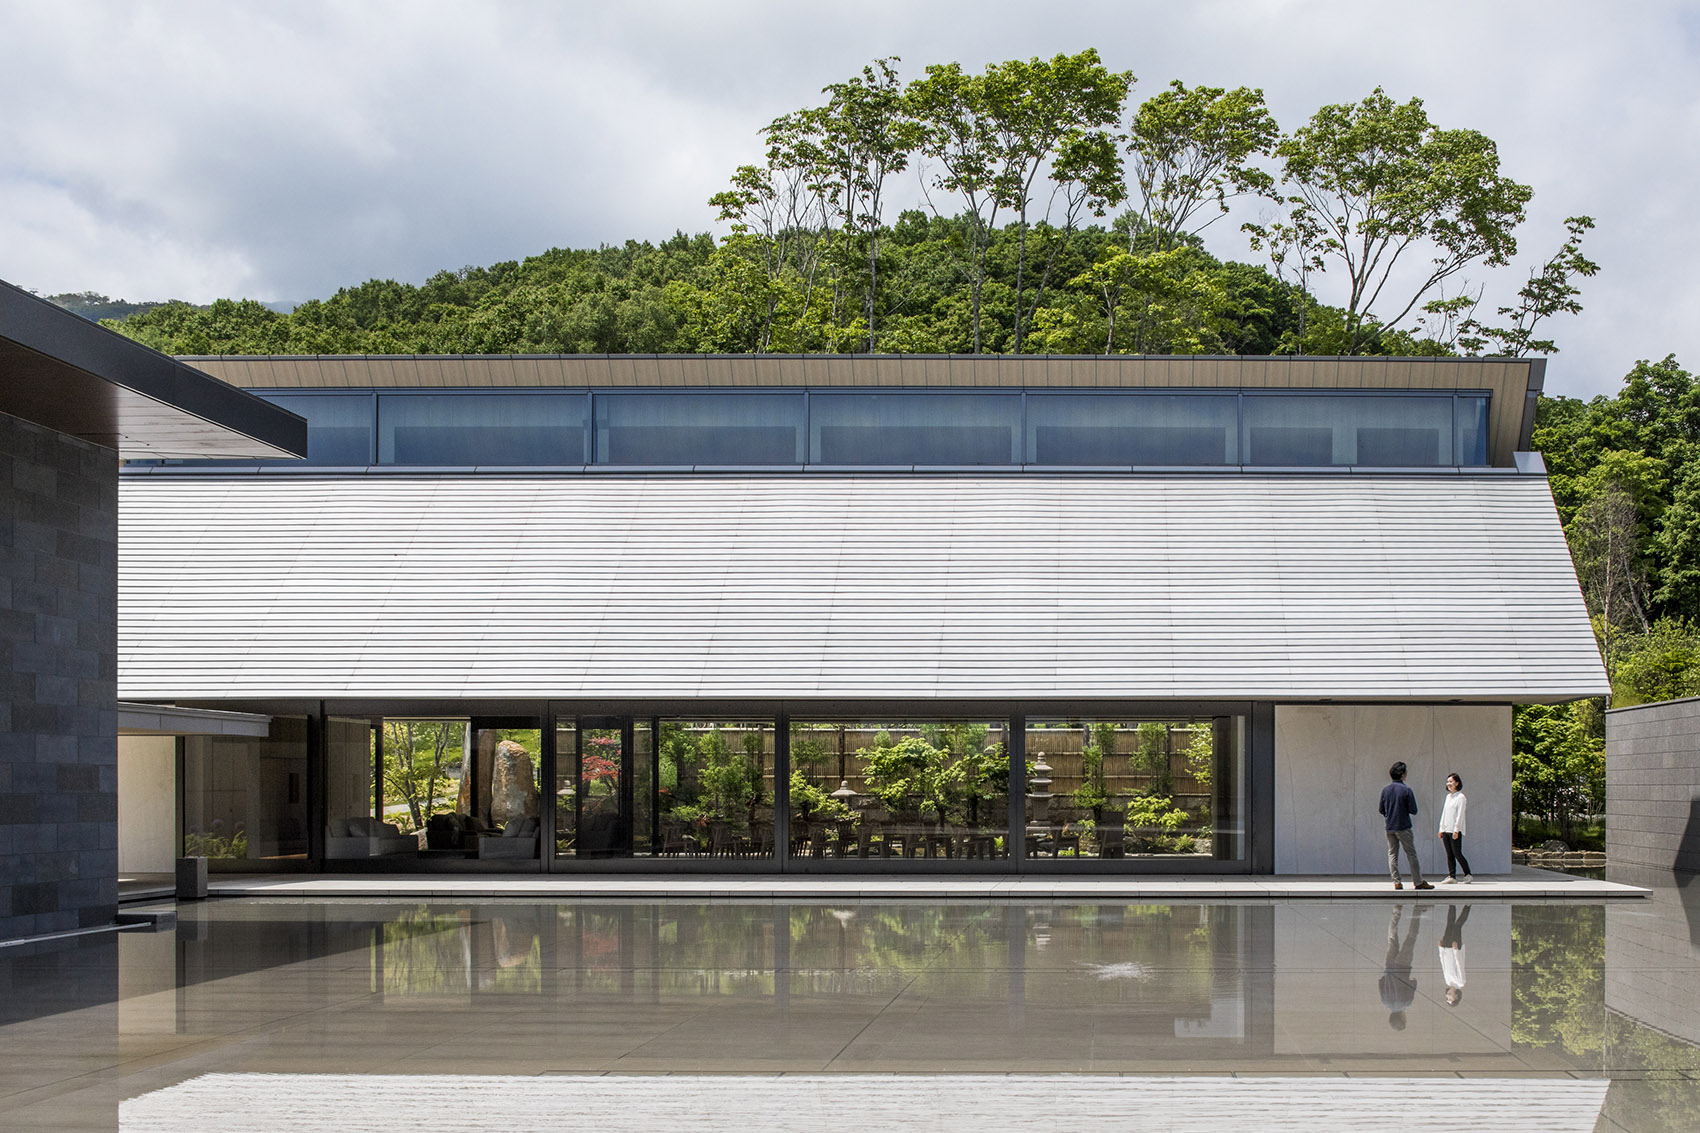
(1455, 858)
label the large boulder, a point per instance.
(513, 787)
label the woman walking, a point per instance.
(1452, 830)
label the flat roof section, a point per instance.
(77, 377)
(169, 720)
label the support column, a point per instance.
(1260, 788)
(317, 786)
(546, 765)
(1016, 839)
(782, 791)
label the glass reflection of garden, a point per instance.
(859, 791)
(1126, 788)
(447, 784)
(715, 790)
(902, 790)
(1094, 790)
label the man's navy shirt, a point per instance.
(1398, 804)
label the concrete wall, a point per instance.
(1331, 763)
(147, 804)
(58, 648)
(1653, 785)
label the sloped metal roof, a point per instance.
(850, 587)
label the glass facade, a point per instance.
(1110, 789)
(914, 428)
(355, 822)
(899, 428)
(881, 795)
(1412, 431)
(1132, 429)
(1472, 417)
(423, 762)
(339, 426)
(918, 792)
(700, 428)
(491, 429)
(714, 790)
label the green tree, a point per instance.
(1676, 545)
(1376, 180)
(1608, 533)
(779, 215)
(1661, 664)
(851, 147)
(994, 136)
(1193, 149)
(1550, 290)
(1557, 763)
(418, 757)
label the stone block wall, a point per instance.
(1653, 786)
(58, 656)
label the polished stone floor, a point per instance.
(261, 1013)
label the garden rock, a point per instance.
(513, 788)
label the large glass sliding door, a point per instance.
(604, 787)
(439, 789)
(601, 790)
(653, 788)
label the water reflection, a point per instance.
(1398, 985)
(505, 987)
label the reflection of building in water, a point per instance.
(1652, 1001)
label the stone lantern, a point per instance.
(1039, 793)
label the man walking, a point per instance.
(1398, 804)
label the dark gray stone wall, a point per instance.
(58, 660)
(1653, 786)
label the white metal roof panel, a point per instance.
(850, 586)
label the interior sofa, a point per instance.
(367, 838)
(519, 840)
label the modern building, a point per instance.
(846, 613)
(75, 400)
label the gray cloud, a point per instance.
(201, 150)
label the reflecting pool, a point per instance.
(100, 1032)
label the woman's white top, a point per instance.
(1452, 965)
(1452, 814)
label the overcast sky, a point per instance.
(279, 151)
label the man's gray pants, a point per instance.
(1395, 839)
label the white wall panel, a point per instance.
(147, 804)
(1270, 587)
(1331, 763)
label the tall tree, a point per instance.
(1608, 537)
(994, 135)
(1378, 180)
(778, 213)
(854, 144)
(1193, 149)
(1550, 290)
